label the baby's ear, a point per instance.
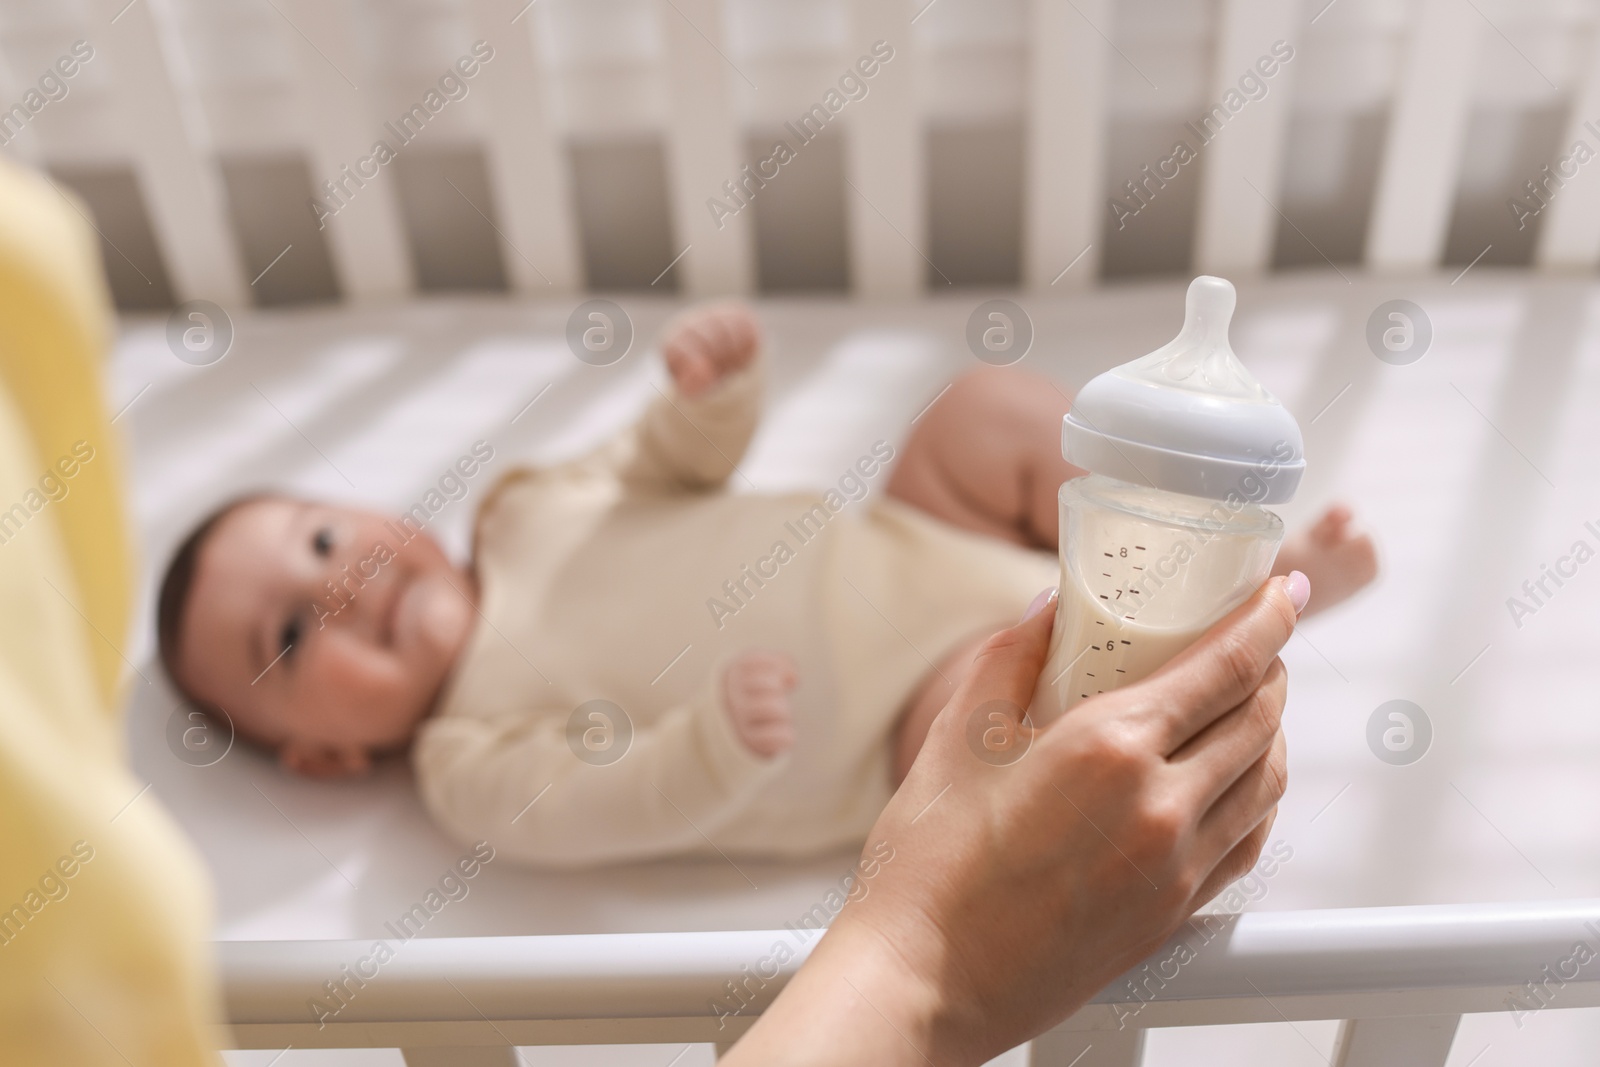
(318, 761)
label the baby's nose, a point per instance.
(350, 589)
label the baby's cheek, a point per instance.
(366, 693)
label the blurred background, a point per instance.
(583, 154)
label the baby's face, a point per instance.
(327, 673)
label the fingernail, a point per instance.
(1040, 602)
(1299, 590)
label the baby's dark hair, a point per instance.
(176, 585)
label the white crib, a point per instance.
(1386, 157)
(1400, 977)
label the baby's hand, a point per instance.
(1338, 560)
(756, 687)
(707, 344)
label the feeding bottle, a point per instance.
(1167, 533)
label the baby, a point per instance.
(638, 663)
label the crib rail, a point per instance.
(1400, 977)
(183, 89)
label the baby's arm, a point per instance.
(693, 436)
(523, 785)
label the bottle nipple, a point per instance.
(1208, 309)
(1189, 417)
(1201, 358)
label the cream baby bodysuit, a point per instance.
(634, 576)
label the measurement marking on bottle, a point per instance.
(1121, 671)
(1139, 547)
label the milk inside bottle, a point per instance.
(1167, 533)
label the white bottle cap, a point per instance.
(1188, 417)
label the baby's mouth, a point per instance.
(428, 616)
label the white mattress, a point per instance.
(1473, 466)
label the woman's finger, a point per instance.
(1007, 666)
(1247, 801)
(1219, 671)
(1237, 863)
(1214, 758)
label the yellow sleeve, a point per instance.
(519, 782)
(55, 331)
(104, 909)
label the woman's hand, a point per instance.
(1019, 889)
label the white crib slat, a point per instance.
(1569, 229)
(703, 151)
(1418, 1041)
(884, 161)
(1066, 142)
(526, 160)
(1427, 127)
(24, 146)
(365, 239)
(1241, 169)
(1088, 1048)
(178, 179)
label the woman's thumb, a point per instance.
(1008, 665)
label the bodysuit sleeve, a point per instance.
(681, 444)
(550, 793)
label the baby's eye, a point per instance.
(322, 541)
(289, 637)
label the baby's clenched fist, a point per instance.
(707, 344)
(756, 688)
